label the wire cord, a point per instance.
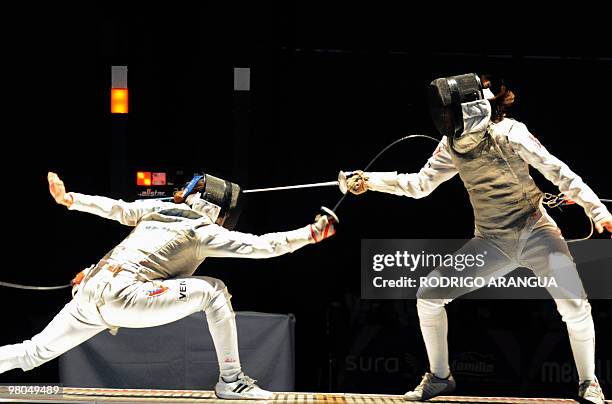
(380, 153)
(549, 200)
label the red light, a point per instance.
(143, 178)
(119, 100)
(158, 178)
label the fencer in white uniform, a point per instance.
(492, 158)
(146, 280)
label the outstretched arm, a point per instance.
(216, 241)
(439, 168)
(124, 212)
(557, 172)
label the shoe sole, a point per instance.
(445, 392)
(234, 396)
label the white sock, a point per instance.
(222, 324)
(434, 328)
(584, 356)
(577, 316)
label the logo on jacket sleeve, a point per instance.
(161, 289)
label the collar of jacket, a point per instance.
(476, 120)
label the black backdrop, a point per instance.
(330, 87)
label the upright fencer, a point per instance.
(146, 280)
(492, 154)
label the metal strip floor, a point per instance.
(127, 396)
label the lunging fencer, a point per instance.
(492, 154)
(146, 280)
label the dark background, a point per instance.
(331, 85)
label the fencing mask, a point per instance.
(445, 98)
(219, 199)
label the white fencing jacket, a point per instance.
(493, 161)
(171, 240)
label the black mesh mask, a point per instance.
(445, 98)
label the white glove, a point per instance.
(605, 223)
(354, 181)
(58, 191)
(323, 227)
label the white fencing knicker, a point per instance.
(539, 247)
(114, 298)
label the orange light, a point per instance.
(143, 178)
(119, 100)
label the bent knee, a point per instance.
(217, 295)
(213, 285)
